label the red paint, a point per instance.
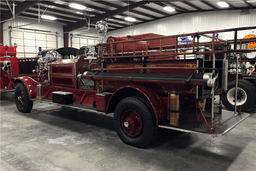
(11, 51)
(80, 96)
(131, 123)
(233, 76)
(140, 45)
(30, 85)
(154, 100)
(128, 47)
(102, 101)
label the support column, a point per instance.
(66, 37)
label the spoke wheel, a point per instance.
(22, 101)
(20, 98)
(134, 122)
(131, 123)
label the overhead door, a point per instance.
(77, 42)
(28, 42)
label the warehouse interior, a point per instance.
(57, 137)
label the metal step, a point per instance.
(74, 106)
(224, 123)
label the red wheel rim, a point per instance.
(131, 123)
(20, 98)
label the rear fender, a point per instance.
(29, 83)
(154, 100)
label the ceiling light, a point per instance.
(131, 19)
(50, 6)
(48, 17)
(168, 8)
(77, 6)
(118, 16)
(89, 9)
(223, 4)
(59, 2)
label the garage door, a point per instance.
(77, 42)
(29, 41)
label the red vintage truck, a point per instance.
(148, 81)
(12, 68)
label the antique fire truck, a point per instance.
(148, 81)
(12, 67)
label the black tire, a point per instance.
(135, 106)
(248, 88)
(22, 101)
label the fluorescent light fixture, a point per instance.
(89, 9)
(48, 17)
(118, 16)
(59, 2)
(50, 6)
(169, 9)
(77, 6)
(131, 19)
(223, 4)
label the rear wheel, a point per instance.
(246, 95)
(134, 122)
(22, 101)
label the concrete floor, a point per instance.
(53, 138)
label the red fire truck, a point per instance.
(12, 67)
(148, 81)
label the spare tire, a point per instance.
(246, 95)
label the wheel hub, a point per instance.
(131, 123)
(20, 98)
(241, 96)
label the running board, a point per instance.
(74, 106)
(224, 124)
(6, 91)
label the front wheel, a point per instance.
(134, 123)
(246, 95)
(22, 101)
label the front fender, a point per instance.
(29, 83)
(154, 100)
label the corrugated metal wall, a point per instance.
(193, 22)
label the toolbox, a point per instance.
(62, 97)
